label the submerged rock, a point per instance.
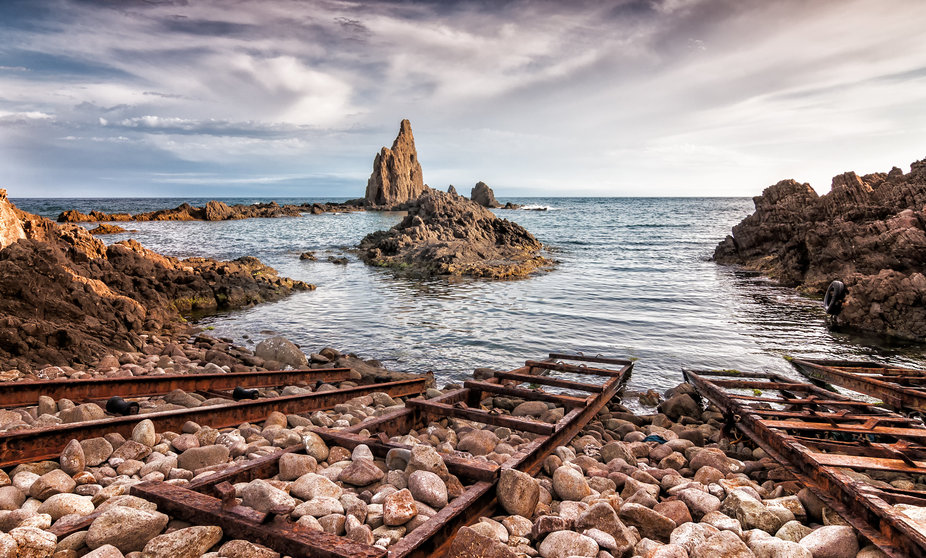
(450, 235)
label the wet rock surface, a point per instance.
(868, 232)
(449, 235)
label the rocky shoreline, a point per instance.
(212, 211)
(663, 485)
(67, 299)
(869, 232)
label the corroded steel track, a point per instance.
(208, 500)
(817, 435)
(25, 446)
(18, 394)
(900, 388)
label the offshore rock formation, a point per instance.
(67, 299)
(868, 232)
(396, 177)
(450, 235)
(483, 195)
(212, 211)
(11, 229)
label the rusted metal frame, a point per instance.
(533, 395)
(584, 358)
(802, 401)
(441, 409)
(870, 516)
(904, 433)
(470, 469)
(400, 421)
(572, 368)
(547, 381)
(284, 537)
(25, 446)
(16, 394)
(891, 393)
(769, 386)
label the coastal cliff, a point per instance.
(868, 232)
(67, 298)
(445, 234)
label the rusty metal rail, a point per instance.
(25, 446)
(819, 435)
(207, 500)
(18, 394)
(899, 388)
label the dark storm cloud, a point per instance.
(622, 97)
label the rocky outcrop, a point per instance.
(67, 298)
(11, 229)
(104, 228)
(396, 177)
(452, 190)
(212, 211)
(450, 235)
(483, 195)
(868, 232)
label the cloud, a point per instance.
(672, 97)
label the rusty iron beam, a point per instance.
(869, 463)
(838, 417)
(441, 409)
(597, 358)
(260, 468)
(25, 446)
(548, 381)
(284, 537)
(911, 433)
(801, 401)
(572, 368)
(18, 394)
(533, 395)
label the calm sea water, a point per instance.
(634, 280)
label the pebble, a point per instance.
(264, 497)
(32, 542)
(144, 433)
(72, 458)
(128, 529)
(834, 541)
(51, 483)
(399, 507)
(570, 484)
(361, 473)
(563, 544)
(517, 492)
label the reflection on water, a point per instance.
(634, 280)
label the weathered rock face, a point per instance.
(449, 235)
(483, 195)
(11, 229)
(66, 298)
(868, 232)
(396, 177)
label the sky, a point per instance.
(276, 98)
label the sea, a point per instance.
(634, 280)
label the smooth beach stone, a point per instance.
(569, 484)
(361, 473)
(51, 483)
(399, 507)
(427, 487)
(518, 492)
(264, 497)
(144, 433)
(245, 549)
(72, 458)
(564, 544)
(191, 542)
(32, 542)
(311, 486)
(127, 529)
(724, 543)
(834, 541)
(60, 505)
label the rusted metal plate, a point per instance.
(894, 386)
(17, 394)
(284, 537)
(585, 358)
(864, 506)
(25, 446)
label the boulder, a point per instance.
(282, 350)
(483, 195)
(518, 492)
